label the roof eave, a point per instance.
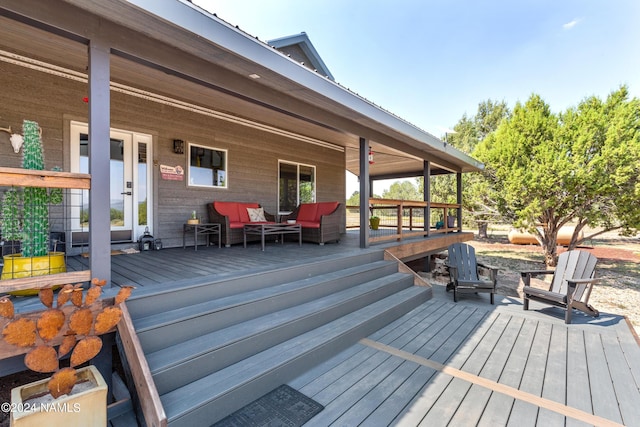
(190, 17)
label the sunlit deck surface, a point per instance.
(470, 363)
(444, 363)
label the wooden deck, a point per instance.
(470, 363)
(444, 363)
(178, 266)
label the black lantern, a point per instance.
(146, 241)
(178, 146)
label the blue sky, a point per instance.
(432, 61)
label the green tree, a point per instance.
(478, 201)
(489, 116)
(578, 167)
(354, 200)
(478, 198)
(402, 190)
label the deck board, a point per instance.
(533, 377)
(476, 400)
(578, 391)
(498, 407)
(627, 392)
(602, 391)
(555, 384)
(525, 351)
(530, 352)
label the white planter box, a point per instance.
(84, 408)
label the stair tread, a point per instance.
(183, 352)
(163, 298)
(157, 320)
(180, 401)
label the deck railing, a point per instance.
(18, 177)
(401, 219)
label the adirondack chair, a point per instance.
(573, 279)
(465, 272)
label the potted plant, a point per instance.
(451, 218)
(78, 397)
(194, 218)
(374, 222)
(25, 217)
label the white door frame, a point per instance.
(137, 169)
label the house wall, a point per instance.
(252, 154)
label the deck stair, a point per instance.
(213, 348)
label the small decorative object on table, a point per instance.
(194, 219)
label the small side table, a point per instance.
(200, 229)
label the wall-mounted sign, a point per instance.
(172, 173)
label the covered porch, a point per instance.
(164, 88)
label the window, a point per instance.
(207, 166)
(297, 184)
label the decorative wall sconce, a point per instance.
(178, 146)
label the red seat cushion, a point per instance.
(236, 211)
(307, 212)
(236, 224)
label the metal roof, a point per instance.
(183, 52)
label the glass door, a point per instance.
(129, 184)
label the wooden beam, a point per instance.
(47, 179)
(414, 250)
(39, 282)
(403, 268)
(147, 393)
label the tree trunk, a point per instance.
(550, 246)
(482, 229)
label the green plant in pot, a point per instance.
(25, 217)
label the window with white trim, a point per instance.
(207, 166)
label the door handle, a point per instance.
(128, 193)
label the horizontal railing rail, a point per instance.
(400, 219)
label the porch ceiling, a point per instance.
(162, 57)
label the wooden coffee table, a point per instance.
(268, 229)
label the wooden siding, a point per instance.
(252, 154)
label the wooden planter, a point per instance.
(81, 409)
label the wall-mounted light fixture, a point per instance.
(371, 157)
(178, 146)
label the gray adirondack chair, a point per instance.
(573, 280)
(465, 272)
